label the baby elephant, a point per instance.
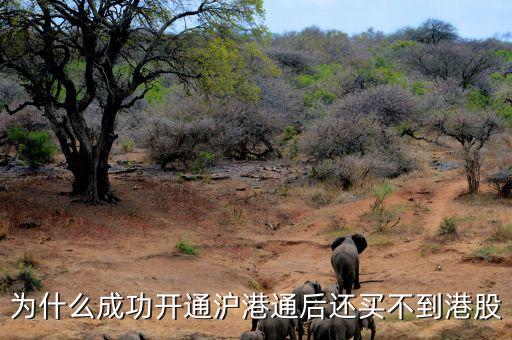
(252, 335)
(275, 328)
(344, 329)
(319, 329)
(341, 329)
(345, 261)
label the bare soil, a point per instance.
(255, 227)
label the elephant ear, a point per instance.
(337, 242)
(360, 242)
(317, 287)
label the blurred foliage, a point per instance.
(34, 147)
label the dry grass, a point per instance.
(319, 198)
(468, 330)
(430, 248)
(501, 232)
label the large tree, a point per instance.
(73, 55)
(473, 130)
(433, 31)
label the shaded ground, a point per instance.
(256, 227)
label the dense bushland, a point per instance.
(349, 106)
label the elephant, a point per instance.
(319, 329)
(252, 335)
(197, 336)
(275, 328)
(344, 329)
(307, 288)
(341, 328)
(97, 337)
(127, 336)
(345, 261)
(330, 292)
(133, 336)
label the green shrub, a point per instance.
(127, 145)
(418, 88)
(288, 133)
(380, 192)
(186, 248)
(254, 285)
(448, 227)
(34, 147)
(385, 218)
(320, 95)
(205, 160)
(25, 279)
(488, 253)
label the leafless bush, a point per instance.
(349, 151)
(294, 60)
(502, 182)
(29, 119)
(445, 94)
(170, 141)
(336, 137)
(345, 173)
(281, 98)
(390, 104)
(11, 91)
(233, 130)
(247, 133)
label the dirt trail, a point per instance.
(442, 202)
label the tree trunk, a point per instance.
(473, 173)
(90, 172)
(98, 183)
(91, 180)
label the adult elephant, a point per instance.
(345, 261)
(275, 328)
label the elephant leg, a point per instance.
(348, 281)
(291, 330)
(348, 286)
(357, 285)
(300, 328)
(339, 282)
(254, 324)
